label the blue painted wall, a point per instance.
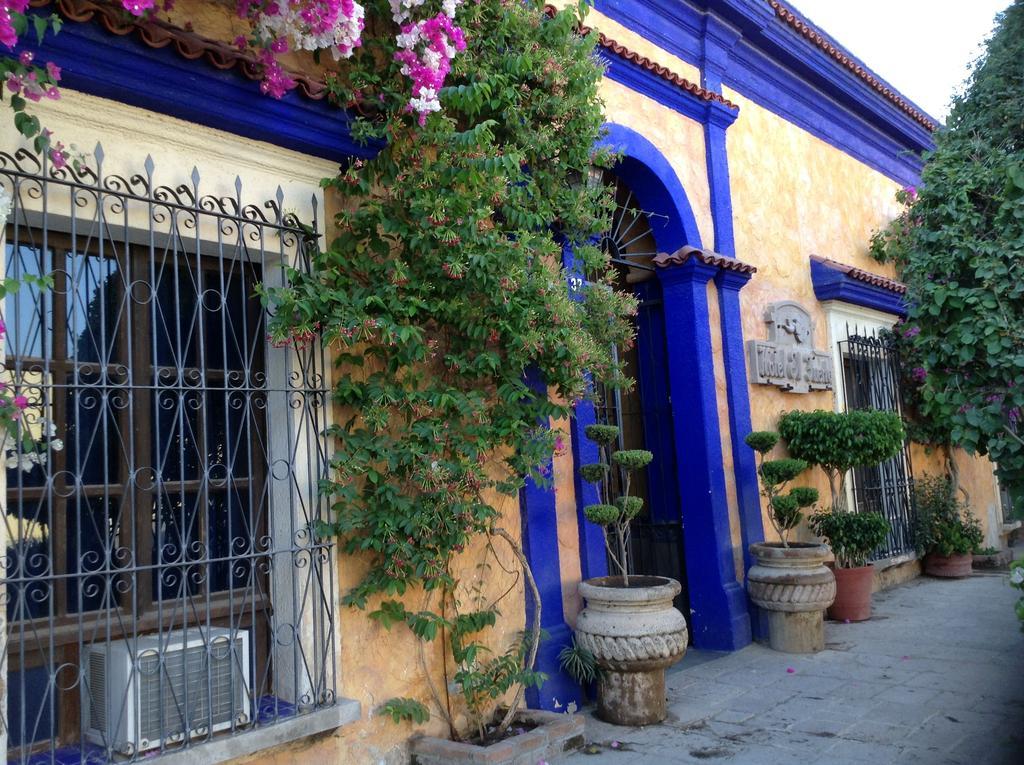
(124, 69)
(760, 57)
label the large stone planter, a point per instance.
(634, 633)
(552, 737)
(795, 587)
(948, 566)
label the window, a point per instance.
(163, 582)
(871, 381)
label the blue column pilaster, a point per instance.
(718, 602)
(540, 545)
(719, 119)
(593, 559)
(729, 284)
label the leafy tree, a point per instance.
(837, 442)
(959, 245)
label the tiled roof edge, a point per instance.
(159, 34)
(653, 67)
(837, 53)
(875, 280)
(708, 257)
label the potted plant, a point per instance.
(629, 624)
(789, 579)
(945, 532)
(852, 537)
(838, 442)
(989, 557)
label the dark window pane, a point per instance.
(31, 714)
(96, 449)
(175, 451)
(176, 546)
(226, 322)
(29, 311)
(229, 429)
(176, 320)
(231, 539)
(28, 559)
(95, 289)
(93, 552)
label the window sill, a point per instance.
(228, 748)
(345, 711)
(885, 563)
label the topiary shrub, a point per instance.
(837, 442)
(614, 515)
(784, 507)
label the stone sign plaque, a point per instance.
(787, 358)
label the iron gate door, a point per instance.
(871, 376)
(644, 417)
(644, 413)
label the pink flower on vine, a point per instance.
(559, 444)
(919, 374)
(58, 156)
(137, 7)
(8, 36)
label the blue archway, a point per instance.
(656, 186)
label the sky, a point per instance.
(922, 47)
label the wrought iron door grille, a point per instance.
(871, 377)
(178, 517)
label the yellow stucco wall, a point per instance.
(792, 195)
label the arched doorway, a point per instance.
(644, 412)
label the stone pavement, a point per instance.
(936, 677)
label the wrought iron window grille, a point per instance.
(162, 582)
(871, 380)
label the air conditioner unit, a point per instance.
(162, 688)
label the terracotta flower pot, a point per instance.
(948, 566)
(634, 633)
(793, 585)
(853, 594)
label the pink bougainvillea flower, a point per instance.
(559, 444)
(790, 670)
(137, 7)
(53, 70)
(58, 156)
(20, 402)
(26, 57)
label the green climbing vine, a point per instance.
(445, 304)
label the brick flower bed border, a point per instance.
(554, 735)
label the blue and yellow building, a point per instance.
(757, 157)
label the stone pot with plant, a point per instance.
(629, 625)
(945, 532)
(789, 579)
(852, 537)
(838, 442)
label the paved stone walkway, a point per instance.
(936, 678)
